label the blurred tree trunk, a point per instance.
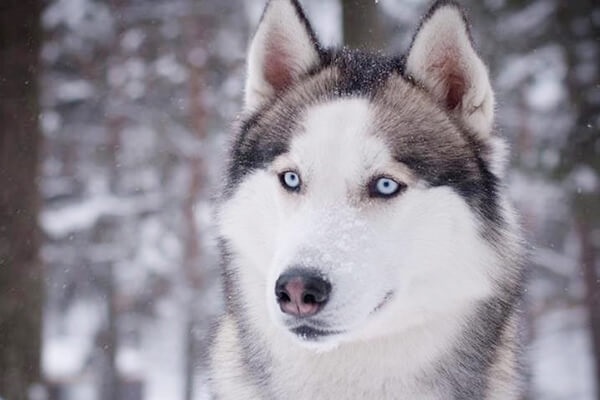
(361, 24)
(109, 228)
(576, 28)
(196, 27)
(20, 270)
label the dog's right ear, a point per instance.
(283, 48)
(442, 60)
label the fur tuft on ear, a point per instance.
(442, 59)
(283, 48)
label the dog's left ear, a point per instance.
(442, 59)
(283, 48)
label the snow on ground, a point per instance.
(558, 374)
(162, 353)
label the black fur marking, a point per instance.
(251, 152)
(362, 73)
(479, 188)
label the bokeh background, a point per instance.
(114, 120)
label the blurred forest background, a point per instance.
(114, 117)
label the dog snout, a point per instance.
(302, 292)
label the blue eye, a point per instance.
(290, 180)
(384, 187)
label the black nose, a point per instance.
(302, 292)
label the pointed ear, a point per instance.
(283, 48)
(443, 61)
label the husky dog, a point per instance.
(369, 251)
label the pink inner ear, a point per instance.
(452, 79)
(456, 90)
(278, 67)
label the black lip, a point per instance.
(309, 333)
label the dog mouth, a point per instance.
(309, 333)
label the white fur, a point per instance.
(366, 248)
(443, 40)
(280, 27)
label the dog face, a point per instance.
(361, 189)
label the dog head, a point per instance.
(362, 192)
